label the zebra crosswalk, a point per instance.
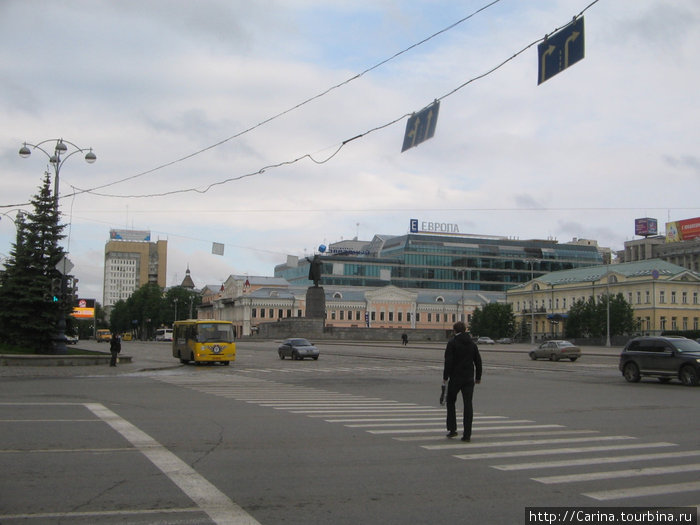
(600, 467)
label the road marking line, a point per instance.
(66, 450)
(615, 474)
(597, 461)
(526, 442)
(566, 450)
(205, 495)
(637, 492)
(97, 513)
(502, 434)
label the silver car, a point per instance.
(297, 348)
(555, 350)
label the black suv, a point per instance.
(664, 357)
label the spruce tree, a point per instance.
(29, 315)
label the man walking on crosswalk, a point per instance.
(462, 370)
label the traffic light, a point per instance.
(56, 289)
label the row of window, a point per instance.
(630, 296)
(645, 323)
(358, 315)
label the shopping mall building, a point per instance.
(426, 279)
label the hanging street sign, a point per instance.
(560, 50)
(421, 126)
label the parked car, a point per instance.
(504, 341)
(297, 348)
(71, 339)
(164, 334)
(485, 341)
(555, 350)
(664, 357)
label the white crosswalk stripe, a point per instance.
(494, 437)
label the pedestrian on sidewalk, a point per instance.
(115, 346)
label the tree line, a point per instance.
(585, 319)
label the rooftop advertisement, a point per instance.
(684, 230)
(130, 235)
(646, 226)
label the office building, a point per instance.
(132, 260)
(433, 261)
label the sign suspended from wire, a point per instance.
(421, 126)
(560, 50)
(217, 248)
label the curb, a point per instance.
(59, 360)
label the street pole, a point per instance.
(57, 159)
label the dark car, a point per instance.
(297, 348)
(555, 350)
(663, 357)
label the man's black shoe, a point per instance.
(452, 434)
(466, 438)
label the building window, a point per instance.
(342, 315)
(399, 316)
(262, 313)
(430, 318)
(381, 316)
(417, 317)
(289, 313)
(662, 297)
(279, 313)
(374, 316)
(272, 313)
(674, 326)
(684, 297)
(408, 317)
(646, 300)
(695, 297)
(663, 323)
(639, 298)
(685, 323)
(357, 315)
(391, 316)
(673, 297)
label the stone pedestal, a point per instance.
(315, 303)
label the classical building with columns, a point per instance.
(664, 296)
(249, 301)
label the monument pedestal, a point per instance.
(315, 303)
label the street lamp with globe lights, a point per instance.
(59, 156)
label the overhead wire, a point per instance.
(299, 105)
(361, 135)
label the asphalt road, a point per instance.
(355, 437)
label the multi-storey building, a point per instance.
(442, 262)
(131, 261)
(664, 296)
(249, 301)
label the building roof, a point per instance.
(596, 273)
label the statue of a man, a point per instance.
(315, 269)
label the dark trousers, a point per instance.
(113, 361)
(454, 387)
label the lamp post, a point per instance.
(59, 156)
(532, 300)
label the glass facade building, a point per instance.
(443, 262)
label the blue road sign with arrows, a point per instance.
(421, 126)
(560, 50)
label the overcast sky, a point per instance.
(163, 89)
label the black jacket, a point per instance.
(115, 344)
(462, 358)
